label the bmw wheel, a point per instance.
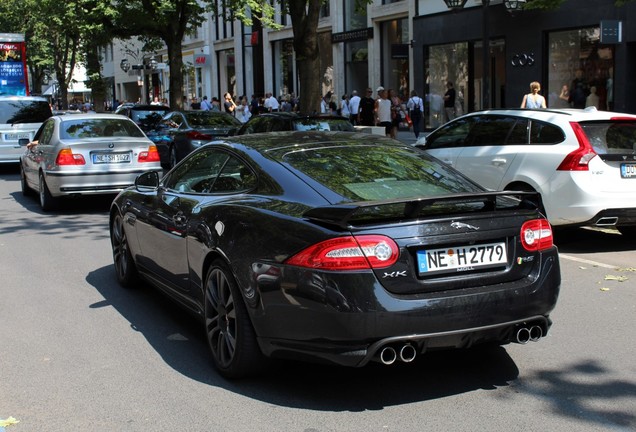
(230, 334)
(26, 190)
(47, 201)
(125, 268)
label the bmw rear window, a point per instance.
(370, 173)
(96, 128)
(612, 136)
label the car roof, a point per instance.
(573, 114)
(148, 107)
(23, 98)
(91, 116)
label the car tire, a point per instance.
(26, 190)
(125, 268)
(172, 157)
(627, 231)
(47, 201)
(228, 328)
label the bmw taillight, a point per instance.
(67, 157)
(579, 159)
(536, 235)
(348, 253)
(152, 155)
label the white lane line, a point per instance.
(582, 260)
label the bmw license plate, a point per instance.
(108, 158)
(16, 136)
(628, 170)
(463, 258)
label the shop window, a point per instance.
(581, 70)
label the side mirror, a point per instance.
(145, 181)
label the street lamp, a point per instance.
(511, 6)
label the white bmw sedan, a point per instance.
(85, 154)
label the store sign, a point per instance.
(201, 60)
(521, 60)
(352, 36)
(611, 31)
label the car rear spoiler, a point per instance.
(341, 214)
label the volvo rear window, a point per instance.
(611, 137)
(14, 111)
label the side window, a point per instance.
(212, 171)
(276, 125)
(491, 131)
(519, 133)
(545, 133)
(451, 135)
(260, 125)
(46, 133)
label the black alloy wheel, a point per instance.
(125, 268)
(229, 331)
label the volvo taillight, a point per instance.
(152, 155)
(579, 159)
(67, 157)
(536, 235)
(348, 253)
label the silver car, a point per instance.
(85, 154)
(20, 118)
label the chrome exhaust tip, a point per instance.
(388, 355)
(523, 335)
(536, 333)
(408, 353)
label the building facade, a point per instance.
(416, 45)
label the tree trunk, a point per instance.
(95, 79)
(304, 16)
(176, 73)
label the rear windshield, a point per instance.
(370, 173)
(611, 137)
(97, 128)
(24, 111)
(141, 116)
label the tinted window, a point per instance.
(612, 137)
(24, 111)
(491, 130)
(205, 119)
(95, 128)
(545, 133)
(367, 173)
(451, 135)
(304, 124)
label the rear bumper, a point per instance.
(348, 319)
(63, 184)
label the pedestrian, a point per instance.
(271, 103)
(229, 104)
(415, 106)
(383, 111)
(205, 105)
(396, 112)
(354, 106)
(449, 101)
(345, 109)
(579, 90)
(533, 100)
(242, 111)
(215, 105)
(366, 112)
(254, 105)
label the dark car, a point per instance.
(289, 121)
(147, 117)
(336, 246)
(181, 132)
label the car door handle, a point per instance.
(499, 161)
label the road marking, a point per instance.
(582, 260)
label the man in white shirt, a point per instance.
(271, 103)
(354, 106)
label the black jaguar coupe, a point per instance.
(338, 247)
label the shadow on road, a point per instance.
(590, 240)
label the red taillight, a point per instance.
(579, 159)
(152, 155)
(66, 157)
(198, 136)
(348, 253)
(536, 235)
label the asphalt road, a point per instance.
(78, 353)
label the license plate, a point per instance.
(628, 170)
(106, 158)
(463, 258)
(16, 136)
